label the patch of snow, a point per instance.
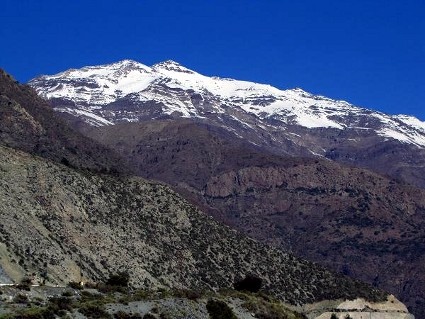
(95, 119)
(411, 121)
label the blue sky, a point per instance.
(370, 53)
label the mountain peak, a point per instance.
(126, 64)
(170, 65)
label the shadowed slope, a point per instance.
(28, 123)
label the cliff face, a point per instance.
(349, 220)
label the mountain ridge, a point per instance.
(266, 100)
(284, 122)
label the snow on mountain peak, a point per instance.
(171, 65)
(180, 90)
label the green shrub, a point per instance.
(25, 284)
(67, 293)
(75, 285)
(119, 279)
(58, 304)
(218, 309)
(125, 315)
(20, 298)
(32, 313)
(187, 294)
(94, 311)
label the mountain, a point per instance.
(234, 147)
(28, 123)
(65, 221)
(348, 219)
(286, 122)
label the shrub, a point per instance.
(187, 294)
(334, 316)
(95, 312)
(125, 315)
(57, 304)
(67, 293)
(20, 298)
(25, 284)
(34, 313)
(120, 279)
(75, 285)
(218, 309)
(250, 283)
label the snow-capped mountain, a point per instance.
(286, 122)
(333, 213)
(130, 91)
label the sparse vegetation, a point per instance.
(120, 279)
(94, 311)
(126, 315)
(218, 309)
(25, 284)
(20, 298)
(75, 285)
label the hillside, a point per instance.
(65, 223)
(348, 219)
(28, 123)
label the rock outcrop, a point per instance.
(358, 309)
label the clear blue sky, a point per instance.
(368, 52)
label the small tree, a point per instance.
(218, 309)
(250, 283)
(25, 284)
(120, 279)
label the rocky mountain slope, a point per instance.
(49, 302)
(291, 122)
(28, 123)
(64, 223)
(348, 219)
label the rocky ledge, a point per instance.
(357, 309)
